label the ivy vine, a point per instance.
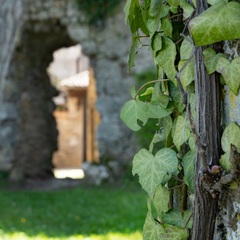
(172, 101)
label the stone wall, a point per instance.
(48, 26)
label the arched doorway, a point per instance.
(76, 115)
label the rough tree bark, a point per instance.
(208, 129)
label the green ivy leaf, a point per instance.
(148, 91)
(161, 200)
(230, 136)
(128, 9)
(133, 91)
(177, 98)
(154, 8)
(132, 111)
(154, 170)
(132, 54)
(192, 143)
(225, 162)
(164, 11)
(173, 5)
(187, 214)
(166, 58)
(167, 27)
(187, 9)
(173, 233)
(181, 132)
(211, 59)
(230, 73)
(167, 125)
(135, 110)
(156, 43)
(187, 75)
(186, 49)
(173, 217)
(188, 168)
(211, 2)
(157, 111)
(158, 97)
(151, 229)
(216, 24)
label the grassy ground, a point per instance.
(103, 213)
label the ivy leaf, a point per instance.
(153, 15)
(154, 8)
(156, 43)
(225, 162)
(154, 170)
(151, 230)
(173, 217)
(187, 214)
(128, 9)
(173, 5)
(156, 111)
(216, 24)
(161, 200)
(211, 59)
(231, 136)
(187, 9)
(158, 97)
(148, 91)
(135, 110)
(132, 54)
(166, 58)
(167, 125)
(192, 143)
(167, 27)
(187, 74)
(188, 168)
(181, 132)
(230, 72)
(173, 233)
(211, 2)
(164, 11)
(133, 91)
(132, 111)
(177, 98)
(186, 49)
(168, 159)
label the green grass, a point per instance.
(103, 213)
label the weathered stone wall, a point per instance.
(228, 224)
(11, 13)
(48, 26)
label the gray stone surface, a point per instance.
(48, 26)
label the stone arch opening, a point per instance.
(76, 114)
(30, 92)
(28, 129)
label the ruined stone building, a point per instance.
(30, 33)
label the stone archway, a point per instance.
(29, 137)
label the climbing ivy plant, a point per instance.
(174, 33)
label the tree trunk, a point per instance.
(208, 129)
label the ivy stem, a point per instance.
(188, 221)
(177, 15)
(144, 85)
